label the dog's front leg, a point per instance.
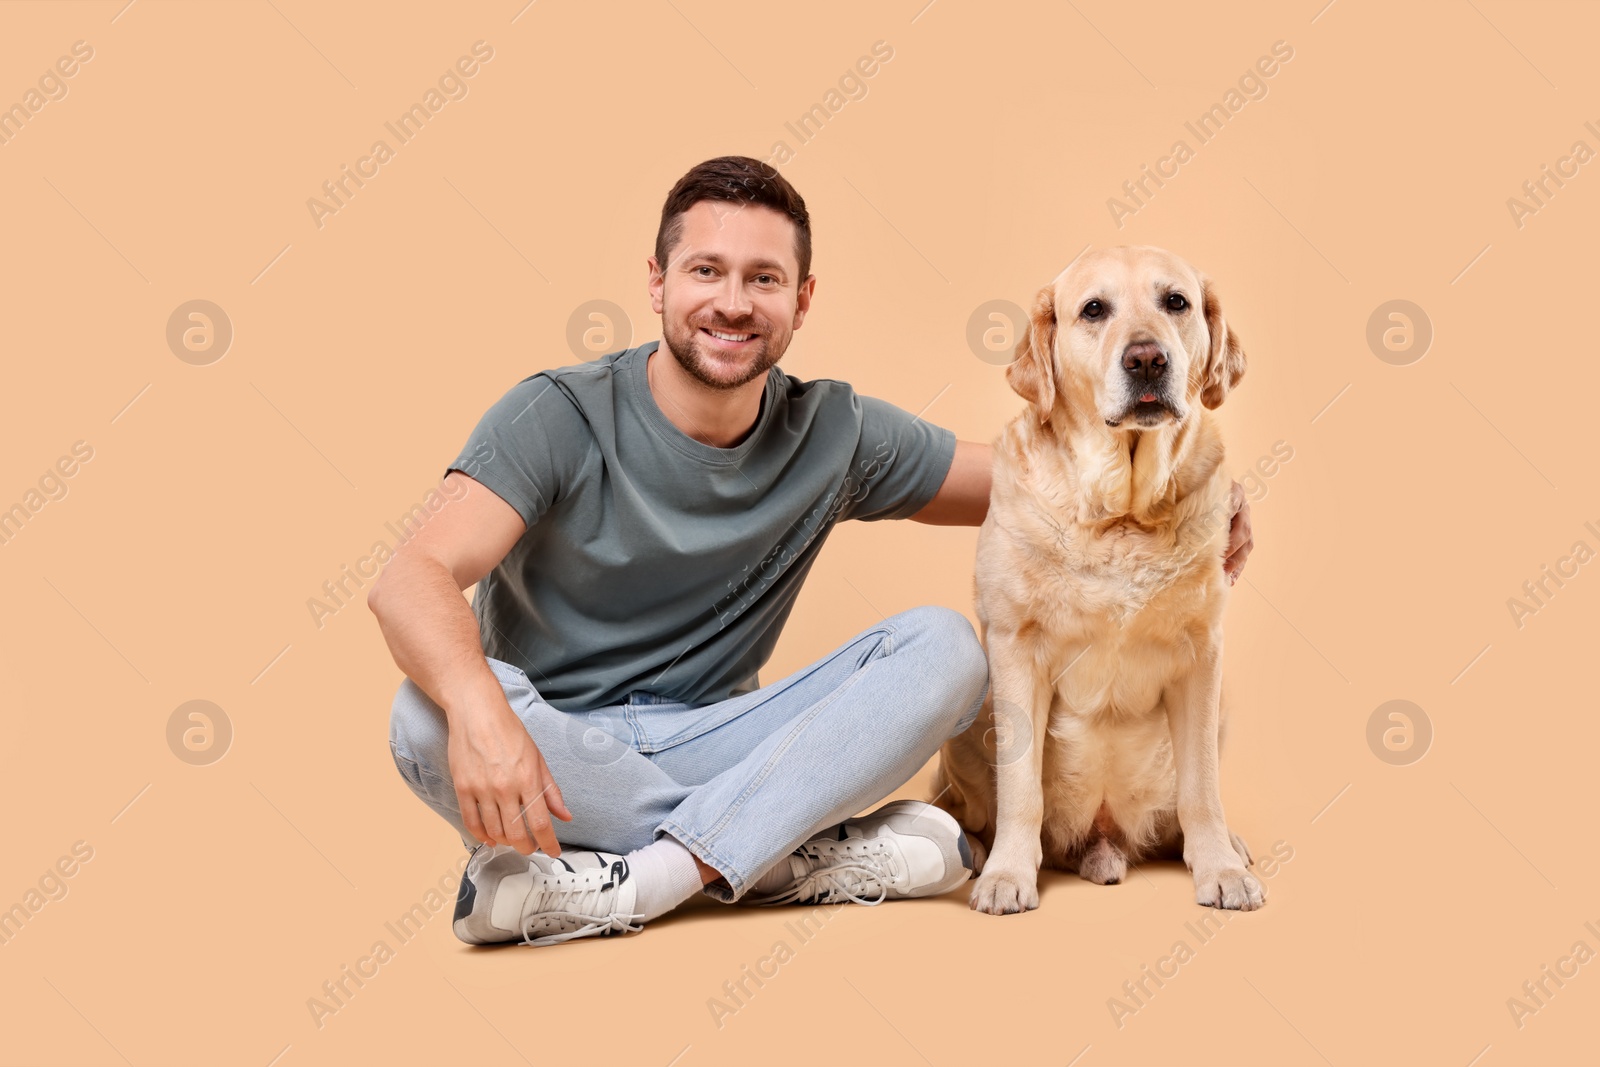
(1193, 715)
(1010, 879)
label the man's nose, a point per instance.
(1144, 361)
(733, 301)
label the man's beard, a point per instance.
(703, 367)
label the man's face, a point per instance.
(729, 298)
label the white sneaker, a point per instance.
(906, 848)
(539, 899)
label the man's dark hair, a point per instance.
(736, 179)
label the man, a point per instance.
(638, 528)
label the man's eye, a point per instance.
(702, 268)
(1177, 302)
(766, 279)
(1094, 309)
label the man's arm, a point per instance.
(430, 629)
(963, 500)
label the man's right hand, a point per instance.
(502, 784)
(505, 790)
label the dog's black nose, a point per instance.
(1144, 361)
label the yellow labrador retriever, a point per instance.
(1100, 593)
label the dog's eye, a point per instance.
(1093, 310)
(1177, 301)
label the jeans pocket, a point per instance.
(513, 679)
(408, 768)
(668, 725)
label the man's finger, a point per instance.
(1239, 538)
(551, 792)
(1234, 564)
(1239, 535)
(557, 805)
(469, 816)
(517, 835)
(538, 820)
(491, 822)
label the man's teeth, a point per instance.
(730, 336)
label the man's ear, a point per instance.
(655, 283)
(1225, 359)
(1032, 371)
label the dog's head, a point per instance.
(1130, 336)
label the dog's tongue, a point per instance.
(1145, 398)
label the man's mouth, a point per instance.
(727, 339)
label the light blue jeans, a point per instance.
(740, 782)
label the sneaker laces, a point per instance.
(573, 905)
(846, 871)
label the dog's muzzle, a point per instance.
(1145, 381)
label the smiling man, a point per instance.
(638, 528)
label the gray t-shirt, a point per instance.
(656, 562)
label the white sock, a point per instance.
(666, 875)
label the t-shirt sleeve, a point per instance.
(900, 463)
(522, 447)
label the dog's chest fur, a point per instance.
(1120, 605)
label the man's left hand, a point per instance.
(1239, 540)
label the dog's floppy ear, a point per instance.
(1225, 360)
(1032, 372)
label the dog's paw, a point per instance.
(1003, 892)
(1231, 888)
(980, 854)
(1241, 848)
(1103, 864)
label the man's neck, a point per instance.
(721, 418)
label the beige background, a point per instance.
(220, 497)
